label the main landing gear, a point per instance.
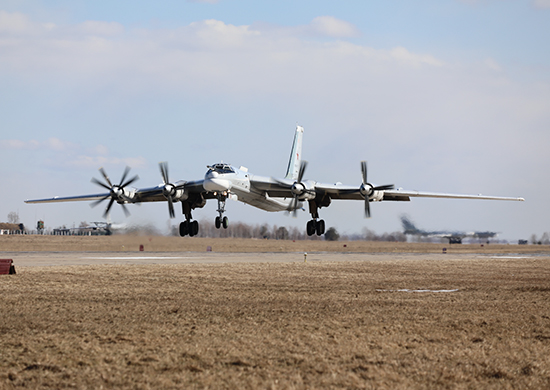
(189, 227)
(315, 226)
(220, 219)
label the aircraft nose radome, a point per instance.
(212, 184)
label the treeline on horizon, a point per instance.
(274, 232)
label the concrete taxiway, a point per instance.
(40, 259)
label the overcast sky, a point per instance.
(442, 95)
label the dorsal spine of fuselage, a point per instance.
(295, 155)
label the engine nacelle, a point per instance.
(307, 190)
(370, 191)
(377, 196)
(180, 195)
(122, 195)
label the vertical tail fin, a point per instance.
(295, 155)
(408, 226)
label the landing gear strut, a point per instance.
(220, 219)
(316, 225)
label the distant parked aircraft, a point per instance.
(454, 237)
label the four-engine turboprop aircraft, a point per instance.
(223, 181)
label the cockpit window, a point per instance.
(221, 168)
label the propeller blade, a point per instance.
(108, 208)
(125, 209)
(171, 207)
(94, 180)
(164, 172)
(384, 187)
(126, 170)
(102, 171)
(93, 204)
(367, 207)
(169, 188)
(301, 172)
(293, 205)
(364, 171)
(133, 179)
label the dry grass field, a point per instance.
(405, 323)
(132, 243)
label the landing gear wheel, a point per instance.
(218, 222)
(320, 227)
(310, 228)
(189, 227)
(193, 228)
(184, 228)
(225, 222)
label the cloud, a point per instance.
(102, 150)
(86, 161)
(403, 55)
(331, 27)
(395, 92)
(59, 145)
(56, 152)
(543, 4)
(492, 64)
(101, 28)
(17, 24)
(51, 144)
(199, 58)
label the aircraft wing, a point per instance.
(68, 198)
(275, 188)
(338, 191)
(151, 194)
(281, 188)
(401, 194)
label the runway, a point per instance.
(44, 259)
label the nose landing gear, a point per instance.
(220, 219)
(221, 222)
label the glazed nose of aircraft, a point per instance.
(213, 181)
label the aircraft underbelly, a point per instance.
(262, 201)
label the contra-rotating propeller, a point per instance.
(297, 188)
(116, 191)
(169, 189)
(368, 189)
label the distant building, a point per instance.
(11, 228)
